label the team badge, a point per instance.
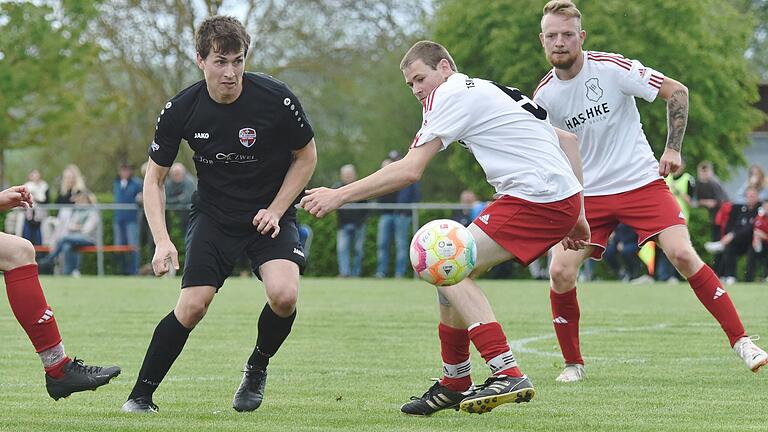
(247, 137)
(594, 92)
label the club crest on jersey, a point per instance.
(594, 91)
(247, 137)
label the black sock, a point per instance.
(273, 330)
(167, 342)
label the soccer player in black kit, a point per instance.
(254, 153)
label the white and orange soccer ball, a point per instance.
(443, 252)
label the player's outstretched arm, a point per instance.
(296, 178)
(154, 207)
(395, 176)
(676, 95)
(15, 196)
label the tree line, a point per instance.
(83, 81)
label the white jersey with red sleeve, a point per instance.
(509, 136)
(598, 105)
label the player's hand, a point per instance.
(165, 257)
(321, 201)
(15, 196)
(670, 162)
(266, 221)
(578, 237)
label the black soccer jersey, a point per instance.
(242, 150)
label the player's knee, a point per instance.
(191, 312)
(283, 300)
(682, 257)
(21, 253)
(563, 276)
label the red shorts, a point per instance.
(528, 229)
(648, 210)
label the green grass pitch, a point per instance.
(655, 358)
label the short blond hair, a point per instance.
(429, 52)
(562, 7)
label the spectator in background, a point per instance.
(709, 193)
(757, 256)
(681, 184)
(305, 240)
(409, 194)
(179, 188)
(82, 229)
(72, 183)
(350, 234)
(34, 217)
(385, 230)
(755, 179)
(395, 224)
(737, 239)
(125, 223)
(621, 254)
(465, 216)
(145, 235)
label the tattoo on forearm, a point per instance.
(677, 119)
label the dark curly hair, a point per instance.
(222, 34)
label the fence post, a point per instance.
(100, 247)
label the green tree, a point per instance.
(758, 46)
(700, 43)
(44, 62)
(339, 57)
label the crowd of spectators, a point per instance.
(737, 228)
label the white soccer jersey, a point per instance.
(598, 105)
(518, 151)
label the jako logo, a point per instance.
(298, 252)
(201, 135)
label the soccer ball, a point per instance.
(443, 252)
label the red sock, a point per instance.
(27, 301)
(454, 349)
(57, 370)
(565, 318)
(490, 340)
(712, 295)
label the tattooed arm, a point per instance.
(676, 95)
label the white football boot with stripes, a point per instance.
(572, 373)
(435, 399)
(753, 355)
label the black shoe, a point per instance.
(79, 377)
(142, 404)
(435, 399)
(249, 395)
(498, 390)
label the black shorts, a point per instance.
(213, 249)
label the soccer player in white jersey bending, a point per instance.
(536, 173)
(592, 94)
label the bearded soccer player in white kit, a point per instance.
(536, 173)
(592, 94)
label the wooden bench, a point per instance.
(98, 251)
(92, 249)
